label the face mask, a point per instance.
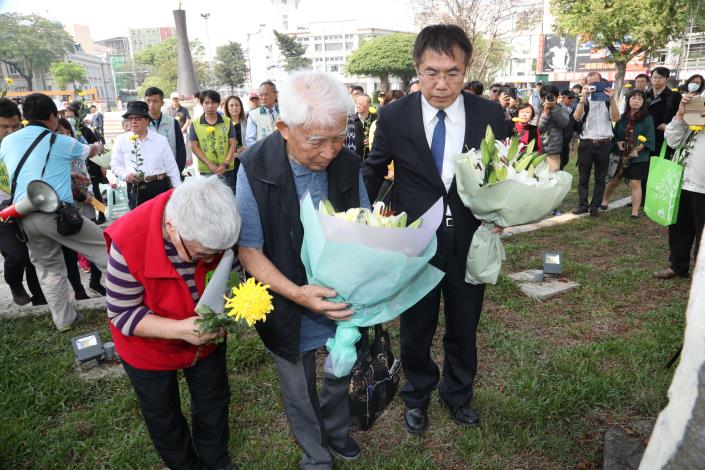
(693, 87)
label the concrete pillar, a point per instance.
(186, 83)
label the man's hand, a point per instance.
(634, 153)
(220, 169)
(504, 100)
(313, 298)
(610, 93)
(187, 330)
(133, 178)
(661, 127)
(212, 168)
(548, 106)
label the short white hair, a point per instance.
(202, 209)
(313, 99)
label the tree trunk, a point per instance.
(678, 441)
(384, 83)
(619, 78)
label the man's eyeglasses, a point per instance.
(198, 256)
(433, 76)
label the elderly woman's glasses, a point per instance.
(198, 256)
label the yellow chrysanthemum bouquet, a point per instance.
(227, 301)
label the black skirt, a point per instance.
(636, 171)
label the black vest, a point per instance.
(272, 181)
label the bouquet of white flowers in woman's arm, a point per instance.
(376, 263)
(503, 184)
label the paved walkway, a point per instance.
(8, 309)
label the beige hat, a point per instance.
(175, 95)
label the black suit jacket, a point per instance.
(400, 137)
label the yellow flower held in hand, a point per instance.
(9, 81)
(210, 129)
(25, 122)
(641, 138)
(134, 137)
(628, 85)
(373, 110)
(675, 89)
(696, 128)
(250, 302)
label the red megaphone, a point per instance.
(40, 197)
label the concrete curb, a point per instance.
(559, 219)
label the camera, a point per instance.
(550, 97)
(590, 88)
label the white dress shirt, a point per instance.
(455, 133)
(156, 155)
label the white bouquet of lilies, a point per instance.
(503, 183)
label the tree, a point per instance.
(30, 43)
(231, 66)
(486, 24)
(615, 26)
(160, 60)
(292, 51)
(68, 73)
(384, 56)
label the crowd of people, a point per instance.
(309, 136)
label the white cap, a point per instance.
(175, 95)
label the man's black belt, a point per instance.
(596, 141)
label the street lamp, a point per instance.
(205, 16)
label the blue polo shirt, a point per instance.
(58, 168)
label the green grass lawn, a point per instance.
(552, 376)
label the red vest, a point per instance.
(138, 235)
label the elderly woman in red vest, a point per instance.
(159, 254)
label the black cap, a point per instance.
(137, 108)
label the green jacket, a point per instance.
(644, 127)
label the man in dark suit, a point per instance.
(421, 132)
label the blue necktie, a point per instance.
(438, 142)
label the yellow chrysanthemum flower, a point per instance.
(516, 119)
(373, 110)
(628, 85)
(696, 128)
(81, 94)
(9, 81)
(250, 302)
(25, 122)
(210, 129)
(675, 89)
(177, 118)
(134, 137)
(641, 138)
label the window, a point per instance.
(348, 45)
(334, 46)
(318, 47)
(331, 68)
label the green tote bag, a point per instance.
(663, 193)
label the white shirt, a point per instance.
(156, 154)
(598, 124)
(455, 133)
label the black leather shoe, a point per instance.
(594, 212)
(463, 414)
(580, 210)
(415, 420)
(351, 451)
(19, 295)
(97, 287)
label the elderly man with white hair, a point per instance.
(158, 258)
(306, 155)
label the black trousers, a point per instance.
(589, 155)
(73, 273)
(565, 151)
(687, 230)
(462, 304)
(158, 396)
(17, 263)
(146, 191)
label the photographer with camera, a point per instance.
(595, 112)
(552, 120)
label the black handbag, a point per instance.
(375, 379)
(68, 219)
